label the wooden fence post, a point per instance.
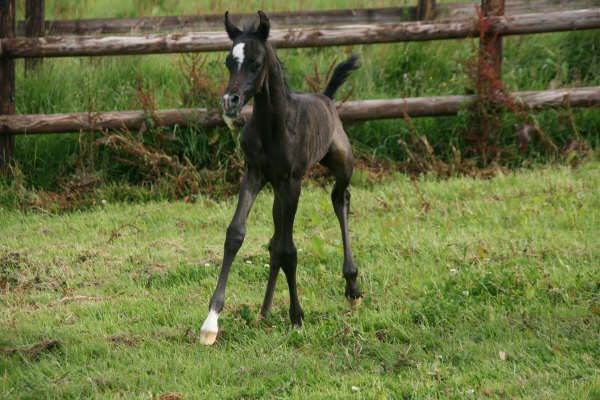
(7, 81)
(34, 27)
(425, 10)
(489, 79)
(493, 8)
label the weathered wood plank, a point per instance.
(450, 105)
(297, 37)
(7, 82)
(349, 111)
(215, 21)
(113, 120)
(461, 11)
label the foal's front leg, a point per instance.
(252, 183)
(282, 248)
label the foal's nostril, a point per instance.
(234, 99)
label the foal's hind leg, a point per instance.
(341, 204)
(340, 161)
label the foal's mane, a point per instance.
(275, 65)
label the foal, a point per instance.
(286, 135)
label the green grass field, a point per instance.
(473, 289)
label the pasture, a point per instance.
(473, 289)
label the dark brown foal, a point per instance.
(287, 134)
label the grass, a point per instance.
(534, 62)
(472, 289)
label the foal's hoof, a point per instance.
(354, 301)
(210, 328)
(208, 338)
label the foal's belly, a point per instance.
(277, 168)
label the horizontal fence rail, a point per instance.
(215, 21)
(451, 11)
(298, 37)
(349, 111)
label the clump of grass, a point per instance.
(154, 155)
(181, 179)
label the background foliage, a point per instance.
(55, 162)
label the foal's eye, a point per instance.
(254, 66)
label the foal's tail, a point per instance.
(340, 74)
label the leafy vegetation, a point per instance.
(533, 62)
(473, 289)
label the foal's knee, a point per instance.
(289, 257)
(234, 238)
(349, 270)
(286, 256)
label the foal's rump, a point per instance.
(316, 125)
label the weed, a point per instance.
(199, 88)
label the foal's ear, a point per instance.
(262, 31)
(232, 30)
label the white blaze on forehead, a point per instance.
(238, 53)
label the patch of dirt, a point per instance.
(12, 269)
(86, 255)
(121, 339)
(171, 396)
(120, 230)
(376, 169)
(35, 351)
(18, 273)
(79, 298)
(192, 336)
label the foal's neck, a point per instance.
(271, 101)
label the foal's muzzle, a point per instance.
(232, 104)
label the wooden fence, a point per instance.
(350, 111)
(426, 21)
(424, 10)
(75, 46)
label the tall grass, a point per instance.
(388, 71)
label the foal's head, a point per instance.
(246, 62)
